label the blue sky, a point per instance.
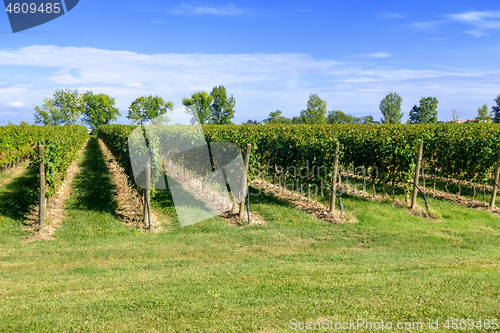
(268, 54)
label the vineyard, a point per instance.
(101, 272)
(385, 154)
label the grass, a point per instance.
(213, 277)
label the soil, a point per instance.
(312, 207)
(55, 212)
(130, 205)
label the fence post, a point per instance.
(147, 195)
(242, 202)
(417, 174)
(334, 176)
(43, 203)
(495, 180)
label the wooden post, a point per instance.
(334, 177)
(242, 202)
(417, 174)
(495, 179)
(43, 203)
(147, 195)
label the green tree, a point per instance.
(65, 107)
(426, 112)
(146, 108)
(251, 122)
(222, 106)
(496, 110)
(202, 103)
(99, 109)
(339, 117)
(390, 107)
(315, 113)
(275, 117)
(483, 115)
(368, 120)
(24, 123)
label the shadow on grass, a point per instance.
(93, 186)
(18, 196)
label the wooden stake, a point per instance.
(242, 198)
(147, 195)
(417, 174)
(43, 203)
(334, 177)
(495, 180)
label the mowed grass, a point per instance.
(100, 276)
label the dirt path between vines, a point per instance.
(10, 174)
(130, 205)
(56, 205)
(312, 207)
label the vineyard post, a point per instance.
(417, 174)
(495, 180)
(43, 203)
(242, 202)
(147, 195)
(334, 176)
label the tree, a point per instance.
(315, 113)
(251, 122)
(390, 107)
(24, 123)
(146, 108)
(455, 115)
(201, 101)
(426, 112)
(275, 117)
(99, 109)
(496, 110)
(65, 107)
(222, 106)
(339, 117)
(483, 115)
(368, 120)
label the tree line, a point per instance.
(390, 107)
(71, 107)
(96, 109)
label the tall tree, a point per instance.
(315, 113)
(146, 108)
(426, 112)
(390, 107)
(222, 106)
(496, 110)
(339, 117)
(99, 109)
(201, 101)
(483, 115)
(275, 117)
(65, 107)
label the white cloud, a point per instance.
(186, 9)
(376, 55)
(260, 82)
(16, 104)
(482, 22)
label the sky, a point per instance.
(268, 54)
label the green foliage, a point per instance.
(65, 107)
(222, 106)
(275, 117)
(315, 113)
(339, 117)
(201, 101)
(61, 144)
(252, 122)
(390, 107)
(99, 109)
(146, 108)
(495, 109)
(483, 115)
(426, 112)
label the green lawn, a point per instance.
(99, 275)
